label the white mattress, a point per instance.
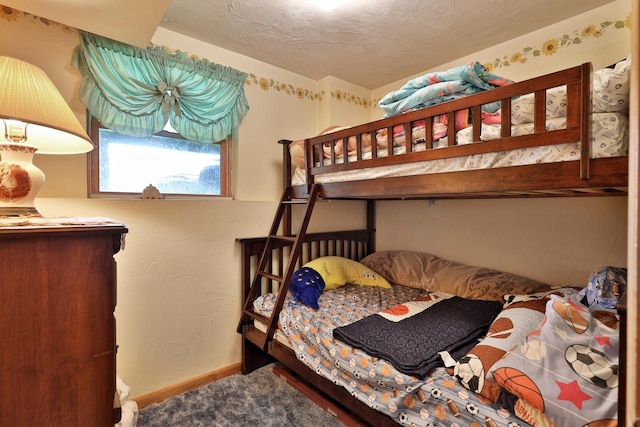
(609, 139)
(278, 336)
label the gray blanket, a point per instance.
(412, 345)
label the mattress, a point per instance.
(609, 139)
(437, 399)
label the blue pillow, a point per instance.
(605, 287)
(306, 286)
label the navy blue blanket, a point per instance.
(412, 345)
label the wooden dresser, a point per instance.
(57, 329)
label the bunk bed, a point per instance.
(369, 162)
(516, 132)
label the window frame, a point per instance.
(93, 165)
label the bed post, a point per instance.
(287, 170)
(371, 225)
(308, 152)
(622, 386)
(585, 120)
(252, 356)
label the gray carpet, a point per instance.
(255, 400)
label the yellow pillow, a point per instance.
(337, 271)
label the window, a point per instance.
(125, 165)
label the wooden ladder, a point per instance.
(275, 241)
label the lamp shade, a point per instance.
(27, 95)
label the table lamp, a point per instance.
(33, 117)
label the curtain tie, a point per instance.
(170, 98)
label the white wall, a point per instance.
(559, 241)
(609, 42)
(343, 103)
(178, 278)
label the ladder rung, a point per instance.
(270, 276)
(256, 316)
(284, 238)
(294, 202)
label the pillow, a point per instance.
(433, 274)
(306, 286)
(337, 271)
(296, 148)
(523, 107)
(610, 94)
(568, 368)
(611, 88)
(605, 287)
(330, 272)
(520, 315)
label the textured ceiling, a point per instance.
(367, 42)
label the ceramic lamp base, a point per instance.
(20, 180)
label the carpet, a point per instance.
(259, 399)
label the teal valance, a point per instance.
(136, 91)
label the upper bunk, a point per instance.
(561, 134)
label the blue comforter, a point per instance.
(434, 88)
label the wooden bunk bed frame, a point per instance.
(268, 262)
(593, 177)
(354, 244)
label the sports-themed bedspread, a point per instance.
(436, 400)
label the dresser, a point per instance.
(57, 328)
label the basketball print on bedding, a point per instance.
(519, 384)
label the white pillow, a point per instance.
(610, 94)
(611, 88)
(522, 108)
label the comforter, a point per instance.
(438, 399)
(434, 88)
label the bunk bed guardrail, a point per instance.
(606, 176)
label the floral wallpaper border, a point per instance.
(552, 46)
(547, 48)
(288, 89)
(10, 14)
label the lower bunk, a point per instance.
(501, 358)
